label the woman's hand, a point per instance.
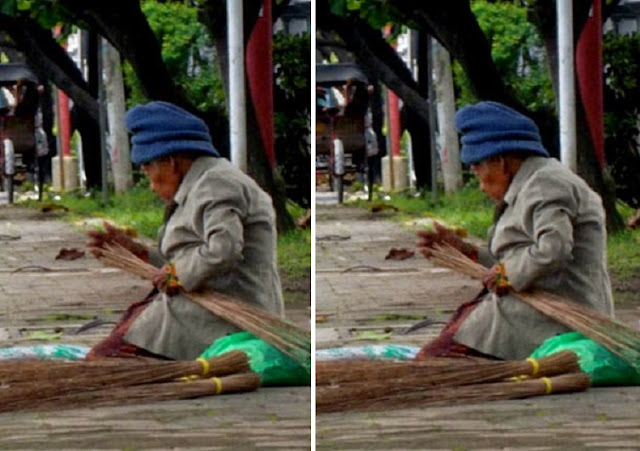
(441, 235)
(166, 280)
(496, 280)
(113, 235)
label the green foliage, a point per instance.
(378, 13)
(187, 52)
(517, 51)
(621, 55)
(292, 105)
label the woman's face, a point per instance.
(494, 177)
(164, 177)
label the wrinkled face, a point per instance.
(494, 177)
(164, 177)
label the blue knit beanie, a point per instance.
(491, 128)
(159, 129)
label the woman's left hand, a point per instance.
(162, 280)
(494, 281)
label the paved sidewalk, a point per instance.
(39, 294)
(358, 292)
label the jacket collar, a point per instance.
(199, 166)
(528, 167)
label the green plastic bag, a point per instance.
(274, 367)
(604, 367)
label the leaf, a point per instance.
(371, 335)
(42, 335)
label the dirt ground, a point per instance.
(45, 301)
(363, 298)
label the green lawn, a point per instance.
(471, 210)
(140, 209)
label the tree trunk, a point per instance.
(418, 126)
(449, 149)
(118, 138)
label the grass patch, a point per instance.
(294, 253)
(623, 254)
(470, 209)
(140, 209)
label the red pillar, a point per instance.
(65, 123)
(589, 71)
(260, 74)
(394, 123)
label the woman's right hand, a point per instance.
(444, 235)
(113, 235)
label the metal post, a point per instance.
(237, 114)
(103, 123)
(567, 96)
(432, 122)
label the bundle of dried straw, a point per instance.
(288, 338)
(358, 377)
(331, 399)
(117, 371)
(617, 338)
(235, 383)
(57, 383)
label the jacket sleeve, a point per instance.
(218, 208)
(547, 209)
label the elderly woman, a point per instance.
(548, 233)
(219, 234)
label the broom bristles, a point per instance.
(328, 401)
(363, 375)
(286, 337)
(616, 337)
(235, 383)
(122, 375)
(111, 370)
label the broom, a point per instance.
(408, 376)
(286, 337)
(235, 383)
(124, 374)
(331, 399)
(617, 338)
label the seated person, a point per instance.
(219, 233)
(548, 233)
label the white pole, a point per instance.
(568, 154)
(237, 114)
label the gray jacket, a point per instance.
(551, 236)
(221, 236)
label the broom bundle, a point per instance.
(330, 399)
(617, 338)
(121, 374)
(361, 377)
(286, 337)
(242, 382)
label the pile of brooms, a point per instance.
(364, 385)
(47, 385)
